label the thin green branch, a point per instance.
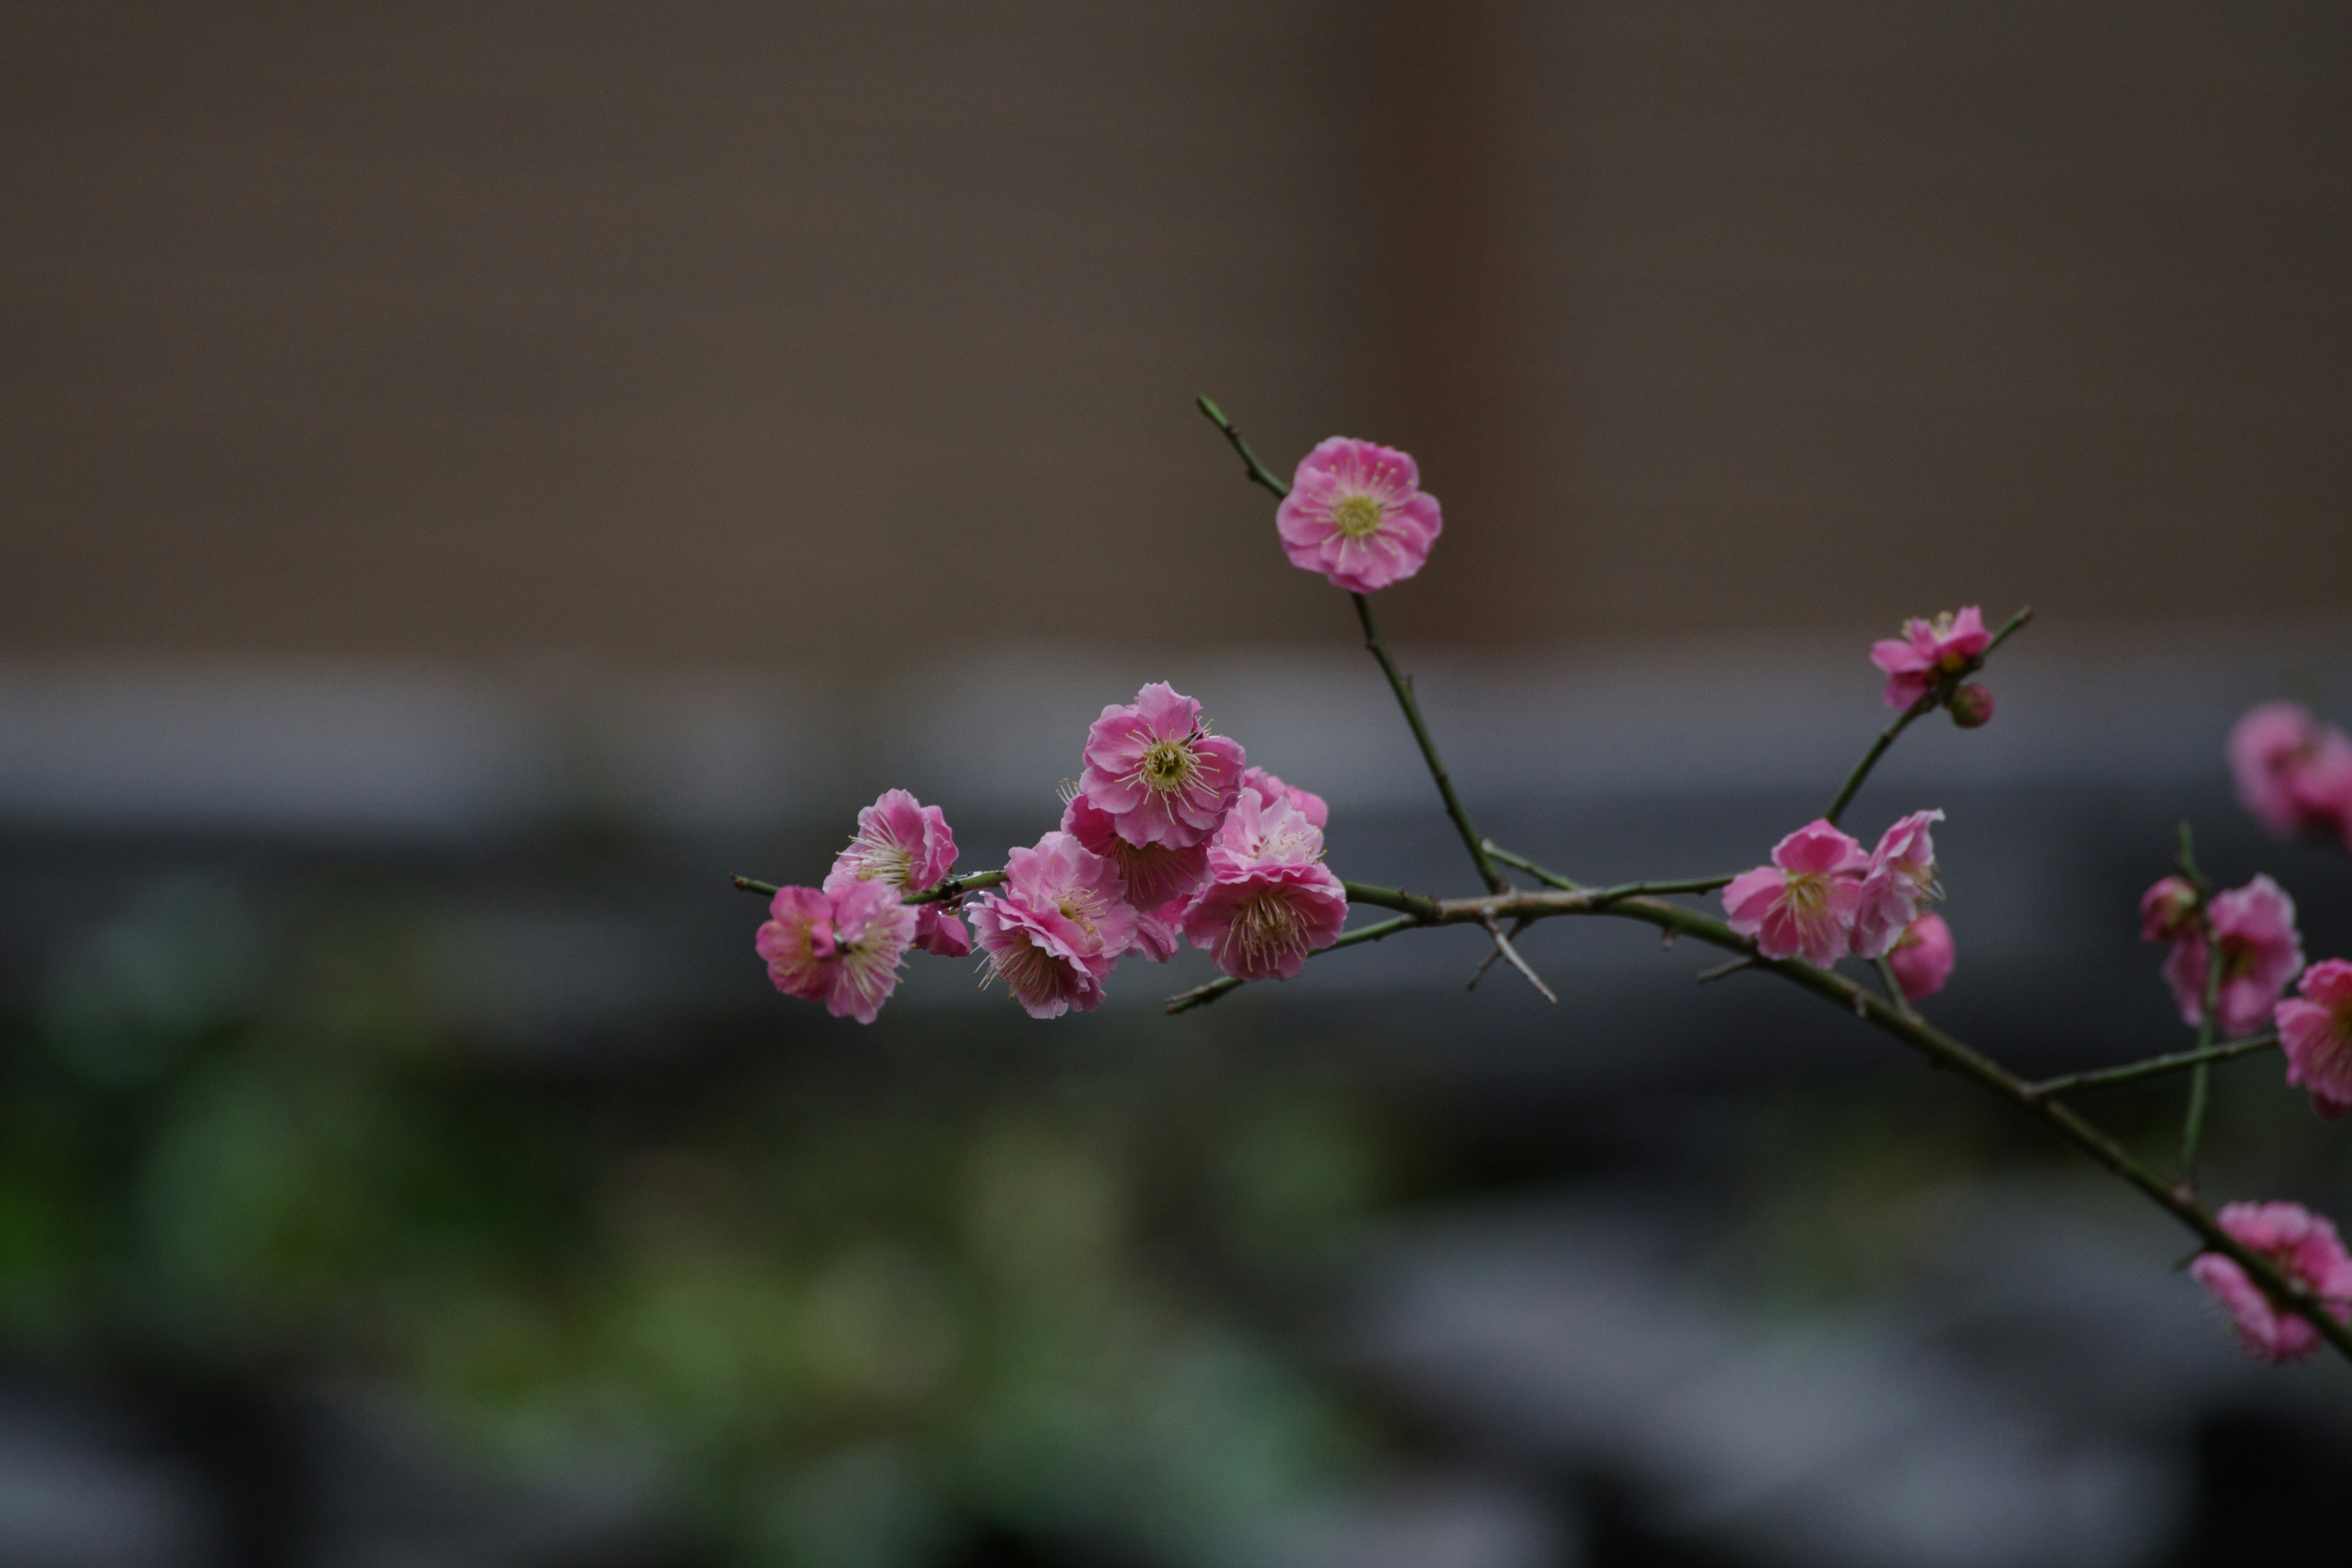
(2151, 1066)
(1258, 472)
(2200, 1079)
(956, 887)
(1548, 878)
(1654, 889)
(1402, 684)
(1927, 702)
(1421, 908)
(1202, 996)
(1894, 987)
(948, 887)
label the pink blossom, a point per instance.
(2306, 1248)
(1922, 957)
(1149, 874)
(1156, 772)
(2259, 953)
(2316, 1032)
(1806, 900)
(1159, 932)
(1262, 922)
(1056, 930)
(1899, 882)
(1310, 805)
(1355, 512)
(2167, 911)
(906, 844)
(1270, 901)
(1257, 832)
(1928, 651)
(2293, 773)
(840, 947)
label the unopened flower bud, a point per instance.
(1971, 705)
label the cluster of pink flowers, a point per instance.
(1168, 837)
(841, 943)
(2254, 927)
(1929, 655)
(2306, 1248)
(1170, 834)
(1823, 897)
(2294, 771)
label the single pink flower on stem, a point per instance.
(2306, 1248)
(1355, 512)
(1311, 806)
(906, 845)
(2294, 771)
(1261, 924)
(1805, 900)
(2167, 911)
(1922, 957)
(2314, 1031)
(1150, 874)
(1159, 775)
(840, 947)
(1928, 651)
(1057, 928)
(2255, 927)
(1900, 880)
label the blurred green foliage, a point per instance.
(843, 1323)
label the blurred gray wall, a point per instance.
(753, 334)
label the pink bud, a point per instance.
(1972, 706)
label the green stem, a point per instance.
(956, 887)
(1257, 472)
(1550, 878)
(1928, 701)
(2200, 1080)
(2152, 1066)
(1846, 792)
(1423, 909)
(1402, 684)
(1894, 987)
(1651, 889)
(948, 888)
(1202, 996)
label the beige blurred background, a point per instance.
(744, 335)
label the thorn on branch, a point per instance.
(1503, 945)
(1487, 963)
(1720, 969)
(1666, 935)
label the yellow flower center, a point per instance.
(1082, 907)
(1808, 892)
(1166, 766)
(1358, 516)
